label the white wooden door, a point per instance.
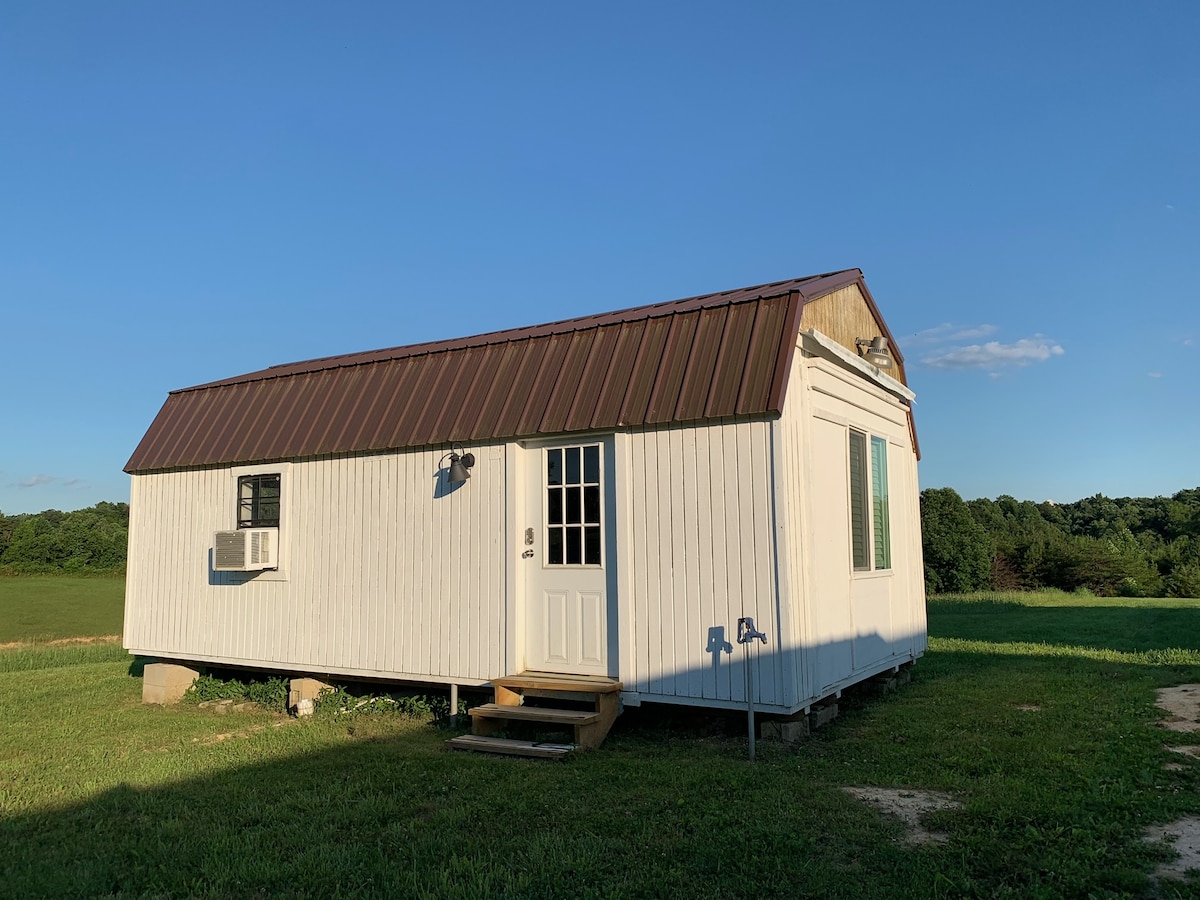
(567, 558)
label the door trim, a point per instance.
(523, 583)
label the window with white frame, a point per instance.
(870, 520)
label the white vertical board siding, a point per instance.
(701, 556)
(795, 536)
(849, 624)
(379, 575)
(907, 515)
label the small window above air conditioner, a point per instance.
(246, 550)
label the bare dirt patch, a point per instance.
(1029, 707)
(1182, 705)
(227, 735)
(909, 805)
(1190, 751)
(62, 642)
(1183, 837)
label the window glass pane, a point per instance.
(573, 500)
(574, 513)
(591, 465)
(879, 496)
(858, 500)
(591, 505)
(258, 501)
(245, 501)
(554, 546)
(574, 548)
(268, 500)
(591, 545)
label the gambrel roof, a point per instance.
(700, 358)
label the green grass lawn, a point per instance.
(49, 607)
(1036, 713)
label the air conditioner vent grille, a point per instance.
(245, 550)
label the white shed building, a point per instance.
(642, 480)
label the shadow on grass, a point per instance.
(1050, 752)
(399, 816)
(1054, 801)
(1126, 629)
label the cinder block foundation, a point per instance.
(790, 731)
(166, 682)
(822, 715)
(304, 689)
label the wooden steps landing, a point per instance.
(595, 705)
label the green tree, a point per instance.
(92, 540)
(958, 553)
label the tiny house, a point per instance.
(602, 497)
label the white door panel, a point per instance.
(567, 508)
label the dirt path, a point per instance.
(909, 805)
(62, 642)
(1182, 705)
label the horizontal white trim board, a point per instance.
(818, 344)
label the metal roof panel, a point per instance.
(708, 356)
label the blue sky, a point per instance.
(195, 190)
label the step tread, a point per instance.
(593, 684)
(535, 714)
(510, 747)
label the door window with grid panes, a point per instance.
(573, 510)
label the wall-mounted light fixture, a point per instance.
(877, 353)
(460, 464)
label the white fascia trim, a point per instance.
(812, 341)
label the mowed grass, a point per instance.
(1047, 740)
(50, 607)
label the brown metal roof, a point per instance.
(703, 357)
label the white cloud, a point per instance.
(994, 354)
(1154, 374)
(947, 332)
(967, 334)
(36, 481)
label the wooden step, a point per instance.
(568, 717)
(553, 681)
(588, 727)
(509, 747)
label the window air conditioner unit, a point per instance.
(246, 550)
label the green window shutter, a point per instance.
(858, 500)
(879, 495)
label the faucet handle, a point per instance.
(747, 632)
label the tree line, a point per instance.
(1135, 547)
(1127, 546)
(90, 541)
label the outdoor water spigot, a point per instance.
(746, 635)
(747, 632)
